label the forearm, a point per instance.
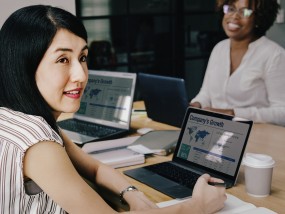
(274, 115)
(109, 178)
(222, 111)
(127, 193)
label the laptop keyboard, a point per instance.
(86, 128)
(174, 173)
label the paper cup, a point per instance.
(258, 169)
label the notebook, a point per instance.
(105, 109)
(165, 98)
(208, 143)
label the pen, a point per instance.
(139, 110)
(217, 184)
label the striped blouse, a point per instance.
(18, 132)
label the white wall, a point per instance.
(277, 31)
(7, 7)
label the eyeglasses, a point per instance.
(243, 12)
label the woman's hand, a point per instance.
(210, 198)
(138, 201)
(195, 104)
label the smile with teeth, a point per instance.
(233, 26)
(74, 94)
(71, 92)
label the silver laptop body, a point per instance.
(208, 143)
(106, 104)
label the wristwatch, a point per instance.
(128, 189)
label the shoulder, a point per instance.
(222, 44)
(267, 45)
(25, 130)
(221, 48)
(268, 53)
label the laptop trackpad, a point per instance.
(159, 183)
(78, 138)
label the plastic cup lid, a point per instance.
(258, 160)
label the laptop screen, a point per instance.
(213, 141)
(108, 98)
(165, 98)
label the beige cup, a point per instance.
(258, 169)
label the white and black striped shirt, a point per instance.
(18, 132)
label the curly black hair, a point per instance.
(265, 12)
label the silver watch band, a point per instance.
(129, 188)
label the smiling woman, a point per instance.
(43, 72)
(245, 74)
(65, 59)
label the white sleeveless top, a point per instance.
(18, 132)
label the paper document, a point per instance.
(114, 152)
(233, 205)
(119, 157)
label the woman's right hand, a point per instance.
(195, 104)
(210, 198)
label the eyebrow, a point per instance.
(70, 50)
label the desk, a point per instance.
(264, 138)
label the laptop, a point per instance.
(208, 143)
(165, 98)
(105, 109)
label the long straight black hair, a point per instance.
(24, 38)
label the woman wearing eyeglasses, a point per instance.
(246, 73)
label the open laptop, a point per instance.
(165, 98)
(208, 143)
(105, 109)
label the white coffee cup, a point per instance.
(258, 169)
